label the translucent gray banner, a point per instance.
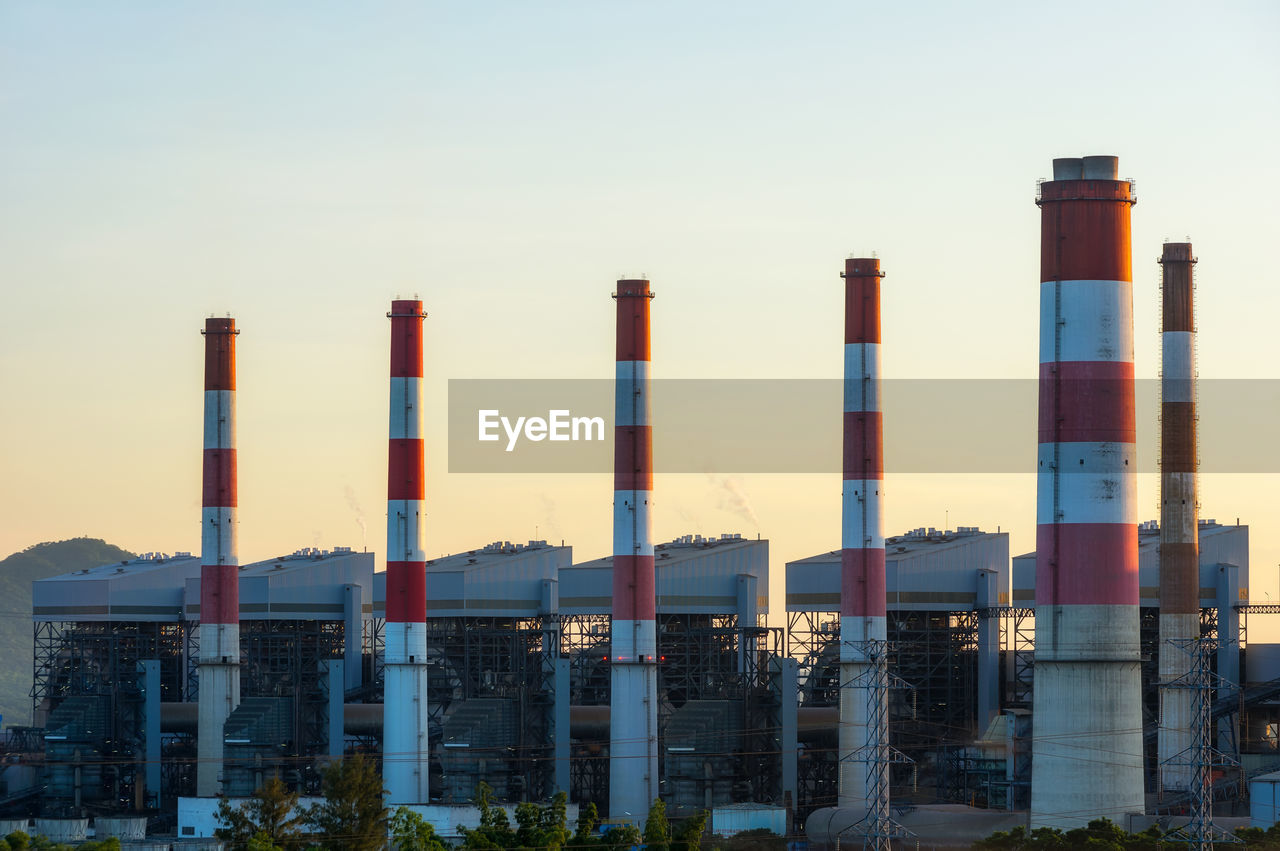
(795, 425)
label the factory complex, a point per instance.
(1108, 673)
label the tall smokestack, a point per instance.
(633, 729)
(863, 737)
(1087, 742)
(1179, 544)
(405, 749)
(219, 666)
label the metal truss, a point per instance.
(1200, 757)
(98, 661)
(813, 641)
(878, 829)
(584, 641)
(937, 652)
(701, 657)
(507, 659)
(1018, 640)
(286, 659)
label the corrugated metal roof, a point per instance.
(1219, 544)
(499, 580)
(693, 575)
(925, 570)
(149, 588)
(306, 585)
(310, 584)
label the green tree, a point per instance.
(494, 831)
(553, 823)
(261, 842)
(353, 814)
(527, 816)
(1099, 834)
(621, 837)
(18, 841)
(1256, 837)
(657, 830)
(270, 812)
(543, 827)
(588, 820)
(688, 837)
(111, 843)
(757, 839)
(44, 843)
(411, 832)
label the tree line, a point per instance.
(353, 816)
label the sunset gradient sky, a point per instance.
(298, 165)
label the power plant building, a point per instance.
(1223, 592)
(924, 667)
(117, 652)
(944, 591)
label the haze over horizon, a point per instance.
(298, 166)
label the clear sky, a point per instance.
(297, 165)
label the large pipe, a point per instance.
(863, 738)
(1087, 744)
(219, 663)
(358, 718)
(586, 723)
(633, 733)
(1179, 546)
(405, 750)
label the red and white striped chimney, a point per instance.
(1087, 743)
(633, 728)
(1179, 527)
(405, 748)
(219, 661)
(862, 579)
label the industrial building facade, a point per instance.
(518, 671)
(944, 595)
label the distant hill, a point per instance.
(16, 574)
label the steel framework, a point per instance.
(485, 659)
(702, 657)
(1201, 757)
(584, 640)
(936, 652)
(285, 659)
(709, 660)
(1018, 643)
(813, 641)
(94, 664)
(93, 657)
(878, 829)
(499, 659)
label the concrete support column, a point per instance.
(988, 596)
